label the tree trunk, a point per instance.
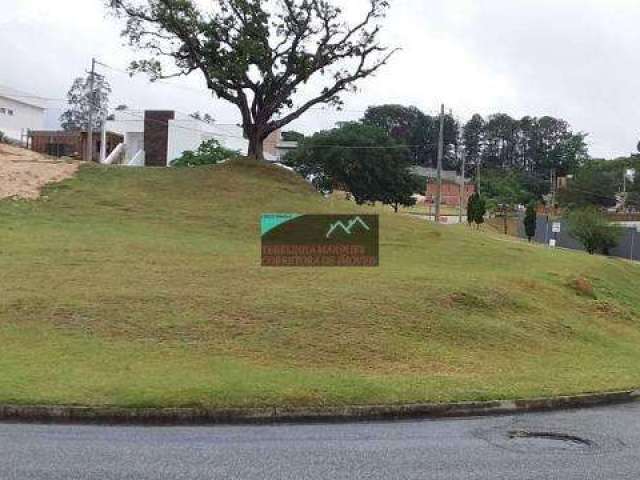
(256, 142)
(256, 147)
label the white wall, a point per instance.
(130, 124)
(184, 134)
(24, 117)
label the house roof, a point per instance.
(23, 97)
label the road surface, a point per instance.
(601, 443)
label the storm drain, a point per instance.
(549, 440)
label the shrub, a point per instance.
(3, 137)
(591, 228)
(530, 218)
(476, 209)
(210, 152)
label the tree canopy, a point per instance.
(361, 159)
(80, 97)
(533, 145)
(417, 130)
(257, 54)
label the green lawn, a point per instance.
(142, 287)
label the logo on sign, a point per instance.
(292, 240)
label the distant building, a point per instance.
(20, 112)
(61, 143)
(158, 137)
(451, 182)
(275, 148)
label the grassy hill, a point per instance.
(142, 287)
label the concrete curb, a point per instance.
(255, 416)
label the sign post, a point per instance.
(556, 228)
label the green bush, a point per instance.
(590, 227)
(209, 152)
(3, 137)
(476, 210)
(530, 220)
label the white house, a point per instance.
(157, 137)
(20, 112)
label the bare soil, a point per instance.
(23, 173)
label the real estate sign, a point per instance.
(293, 240)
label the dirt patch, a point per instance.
(583, 287)
(23, 173)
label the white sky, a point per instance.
(575, 59)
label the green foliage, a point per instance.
(473, 139)
(530, 221)
(257, 54)
(209, 152)
(80, 97)
(471, 208)
(292, 136)
(410, 126)
(505, 188)
(589, 226)
(476, 209)
(534, 145)
(596, 183)
(361, 159)
(3, 137)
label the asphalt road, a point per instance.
(599, 443)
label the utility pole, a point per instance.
(92, 99)
(463, 185)
(553, 188)
(439, 169)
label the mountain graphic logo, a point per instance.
(348, 228)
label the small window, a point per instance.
(3, 110)
(10, 112)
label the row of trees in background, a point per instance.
(516, 156)
(530, 145)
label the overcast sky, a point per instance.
(575, 59)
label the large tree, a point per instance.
(81, 97)
(418, 131)
(361, 159)
(595, 183)
(257, 54)
(473, 139)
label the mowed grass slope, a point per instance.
(143, 287)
